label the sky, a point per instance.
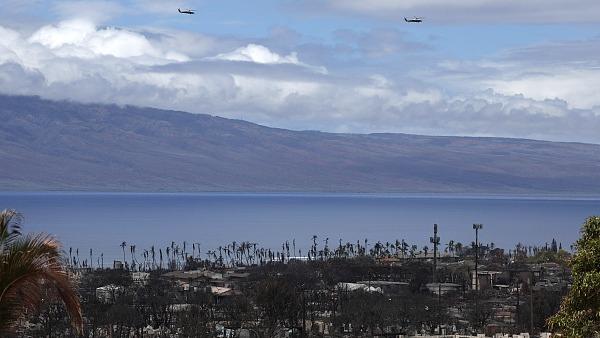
(507, 68)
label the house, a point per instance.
(221, 293)
(485, 279)
(194, 277)
(358, 287)
(232, 275)
(117, 265)
(386, 286)
(443, 288)
(140, 277)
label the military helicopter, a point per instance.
(186, 11)
(415, 19)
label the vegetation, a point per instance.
(282, 295)
(179, 291)
(579, 315)
(31, 273)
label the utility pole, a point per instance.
(531, 304)
(440, 308)
(477, 227)
(303, 313)
(436, 241)
(518, 305)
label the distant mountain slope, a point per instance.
(47, 145)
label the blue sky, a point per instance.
(476, 67)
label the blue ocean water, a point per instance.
(102, 221)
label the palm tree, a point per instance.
(450, 247)
(403, 248)
(160, 257)
(133, 260)
(28, 265)
(413, 251)
(458, 247)
(123, 245)
(199, 254)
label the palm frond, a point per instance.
(10, 226)
(27, 266)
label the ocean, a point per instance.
(102, 221)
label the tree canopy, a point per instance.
(579, 315)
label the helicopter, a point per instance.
(186, 11)
(415, 19)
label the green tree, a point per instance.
(579, 315)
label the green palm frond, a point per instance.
(28, 265)
(10, 226)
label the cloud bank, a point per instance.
(505, 96)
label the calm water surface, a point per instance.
(103, 220)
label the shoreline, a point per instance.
(308, 194)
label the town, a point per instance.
(382, 289)
(299, 169)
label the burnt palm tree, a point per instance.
(413, 251)
(294, 246)
(146, 255)
(199, 253)
(123, 245)
(458, 247)
(132, 250)
(30, 265)
(160, 257)
(77, 254)
(153, 252)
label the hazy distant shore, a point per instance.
(90, 147)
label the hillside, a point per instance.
(47, 145)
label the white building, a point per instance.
(357, 287)
(140, 277)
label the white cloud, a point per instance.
(567, 70)
(81, 39)
(258, 54)
(538, 72)
(262, 55)
(578, 87)
(80, 61)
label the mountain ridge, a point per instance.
(64, 145)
